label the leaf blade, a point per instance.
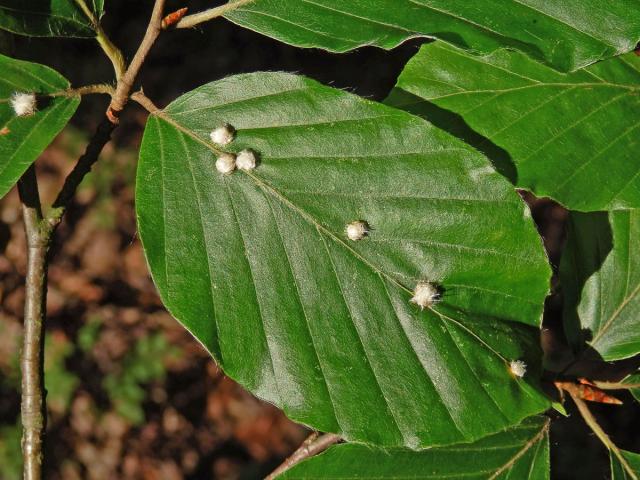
(566, 37)
(522, 451)
(601, 278)
(25, 138)
(541, 128)
(619, 472)
(293, 310)
(57, 18)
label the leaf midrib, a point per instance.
(566, 85)
(167, 118)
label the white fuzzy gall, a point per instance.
(226, 163)
(23, 104)
(246, 160)
(425, 295)
(518, 368)
(357, 230)
(223, 135)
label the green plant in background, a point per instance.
(89, 334)
(144, 364)
(60, 386)
(10, 455)
(370, 268)
(60, 383)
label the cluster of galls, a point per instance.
(425, 294)
(227, 162)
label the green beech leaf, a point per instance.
(567, 35)
(22, 139)
(600, 274)
(619, 472)
(258, 267)
(519, 453)
(633, 379)
(542, 129)
(48, 18)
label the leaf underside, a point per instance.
(48, 18)
(600, 274)
(258, 267)
(567, 35)
(22, 139)
(520, 453)
(557, 135)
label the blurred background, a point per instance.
(131, 395)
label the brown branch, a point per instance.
(82, 167)
(33, 406)
(313, 445)
(125, 83)
(119, 98)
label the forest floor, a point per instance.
(130, 393)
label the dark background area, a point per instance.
(177, 416)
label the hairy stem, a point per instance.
(192, 20)
(313, 445)
(101, 88)
(33, 409)
(113, 53)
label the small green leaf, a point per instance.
(633, 379)
(49, 18)
(543, 129)
(600, 274)
(567, 35)
(619, 472)
(257, 264)
(519, 453)
(23, 138)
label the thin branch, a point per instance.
(33, 410)
(313, 445)
(615, 385)
(144, 101)
(125, 83)
(101, 88)
(191, 21)
(600, 433)
(113, 53)
(100, 138)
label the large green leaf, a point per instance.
(520, 453)
(22, 139)
(567, 35)
(258, 267)
(600, 273)
(618, 472)
(48, 18)
(550, 133)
